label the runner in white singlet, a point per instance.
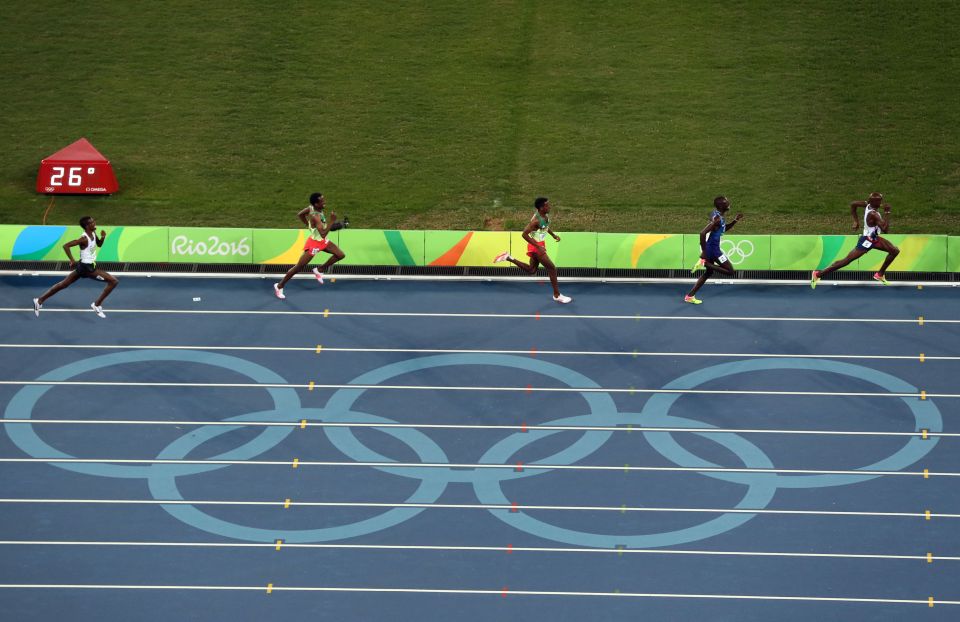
(86, 268)
(873, 225)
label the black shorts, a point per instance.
(86, 270)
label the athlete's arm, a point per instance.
(734, 221)
(528, 230)
(854, 207)
(322, 228)
(81, 242)
(302, 215)
(554, 235)
(103, 236)
(884, 223)
(713, 226)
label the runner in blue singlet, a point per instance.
(711, 256)
(873, 225)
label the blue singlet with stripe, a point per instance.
(713, 238)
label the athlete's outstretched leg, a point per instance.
(112, 282)
(335, 255)
(725, 268)
(65, 283)
(303, 261)
(840, 263)
(892, 252)
(691, 295)
(551, 272)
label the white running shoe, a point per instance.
(562, 299)
(36, 307)
(278, 291)
(318, 275)
(98, 310)
(502, 257)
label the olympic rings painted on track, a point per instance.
(163, 485)
(761, 487)
(925, 414)
(27, 439)
(759, 493)
(600, 404)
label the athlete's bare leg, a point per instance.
(529, 268)
(301, 263)
(112, 282)
(726, 268)
(65, 283)
(551, 272)
(335, 255)
(840, 263)
(892, 252)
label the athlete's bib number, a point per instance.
(722, 258)
(867, 244)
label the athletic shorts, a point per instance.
(715, 255)
(865, 243)
(533, 249)
(315, 246)
(86, 270)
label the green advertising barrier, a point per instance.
(282, 246)
(207, 245)
(278, 246)
(639, 250)
(810, 252)
(464, 248)
(574, 250)
(745, 252)
(918, 253)
(135, 244)
(953, 254)
(8, 237)
(374, 247)
(45, 243)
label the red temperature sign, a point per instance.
(76, 169)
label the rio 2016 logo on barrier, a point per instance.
(212, 246)
(737, 252)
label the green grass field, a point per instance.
(442, 114)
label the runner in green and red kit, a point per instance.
(535, 235)
(316, 222)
